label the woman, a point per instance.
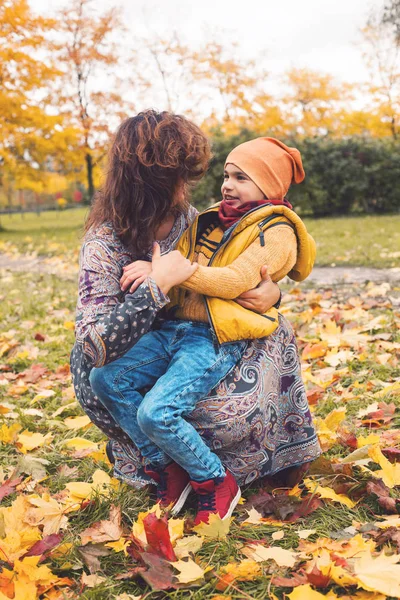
(257, 420)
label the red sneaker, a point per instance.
(173, 486)
(216, 496)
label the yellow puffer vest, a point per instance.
(230, 321)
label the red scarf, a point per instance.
(228, 214)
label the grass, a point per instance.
(369, 241)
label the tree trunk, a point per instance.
(89, 173)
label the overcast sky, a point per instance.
(319, 34)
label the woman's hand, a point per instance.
(170, 269)
(134, 274)
(263, 297)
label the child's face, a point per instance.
(238, 188)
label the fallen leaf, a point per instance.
(78, 422)
(188, 545)
(157, 535)
(8, 487)
(382, 492)
(215, 528)
(91, 555)
(305, 533)
(159, 574)
(327, 493)
(305, 592)
(8, 435)
(104, 531)
(282, 557)
(390, 474)
(247, 570)
(92, 581)
(380, 574)
(189, 571)
(47, 512)
(45, 545)
(28, 440)
(294, 580)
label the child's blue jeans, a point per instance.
(182, 363)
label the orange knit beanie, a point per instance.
(272, 165)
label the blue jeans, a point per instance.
(182, 363)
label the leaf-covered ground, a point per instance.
(68, 530)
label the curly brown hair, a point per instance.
(152, 155)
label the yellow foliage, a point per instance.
(215, 528)
(328, 493)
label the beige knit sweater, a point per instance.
(243, 274)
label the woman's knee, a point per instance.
(100, 380)
(148, 418)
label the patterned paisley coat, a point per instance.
(257, 420)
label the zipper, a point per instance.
(216, 343)
(262, 224)
(262, 241)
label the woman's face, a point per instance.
(238, 188)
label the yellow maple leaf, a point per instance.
(305, 592)
(8, 435)
(78, 443)
(29, 566)
(328, 493)
(81, 490)
(390, 521)
(82, 422)
(119, 545)
(259, 553)
(189, 571)
(175, 528)
(48, 512)
(380, 574)
(329, 568)
(327, 428)
(394, 388)
(389, 473)
(362, 595)
(17, 535)
(69, 325)
(188, 545)
(28, 440)
(247, 570)
(43, 395)
(215, 528)
(372, 438)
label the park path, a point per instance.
(320, 275)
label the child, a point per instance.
(189, 355)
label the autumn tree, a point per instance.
(382, 56)
(160, 72)
(229, 83)
(91, 60)
(29, 135)
(314, 102)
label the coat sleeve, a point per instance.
(108, 322)
(243, 274)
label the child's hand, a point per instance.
(170, 269)
(134, 274)
(263, 297)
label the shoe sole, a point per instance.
(181, 500)
(233, 505)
